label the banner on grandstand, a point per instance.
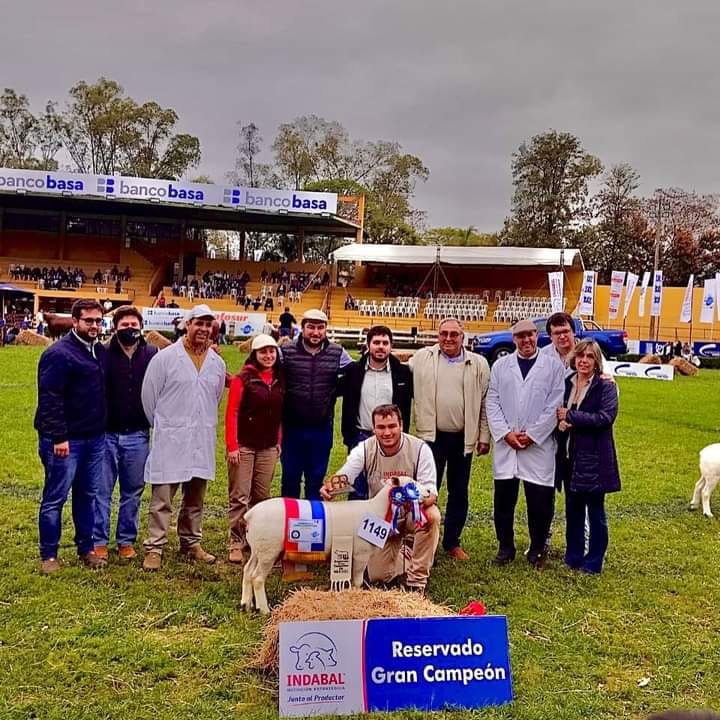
(166, 191)
(242, 323)
(657, 293)
(617, 280)
(686, 310)
(587, 296)
(707, 312)
(643, 292)
(342, 667)
(630, 285)
(555, 280)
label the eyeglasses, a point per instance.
(91, 321)
(453, 334)
(558, 333)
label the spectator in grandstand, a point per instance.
(252, 435)
(70, 421)
(587, 465)
(450, 385)
(256, 303)
(524, 388)
(286, 322)
(269, 304)
(118, 286)
(391, 452)
(313, 369)
(127, 438)
(161, 300)
(377, 378)
(172, 304)
(181, 392)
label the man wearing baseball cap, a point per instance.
(180, 395)
(526, 388)
(313, 369)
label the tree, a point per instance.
(23, 136)
(249, 171)
(550, 197)
(458, 237)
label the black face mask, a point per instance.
(128, 336)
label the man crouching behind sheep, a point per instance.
(389, 453)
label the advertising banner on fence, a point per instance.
(587, 295)
(707, 311)
(638, 370)
(155, 318)
(555, 280)
(643, 292)
(686, 310)
(352, 666)
(617, 280)
(631, 284)
(657, 293)
(242, 323)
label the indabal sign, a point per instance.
(352, 666)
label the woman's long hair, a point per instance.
(276, 366)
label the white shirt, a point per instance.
(376, 390)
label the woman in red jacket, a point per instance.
(252, 435)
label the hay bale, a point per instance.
(650, 359)
(310, 605)
(156, 339)
(285, 340)
(244, 346)
(403, 355)
(684, 367)
(29, 337)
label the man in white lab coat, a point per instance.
(181, 392)
(526, 388)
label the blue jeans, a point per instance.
(125, 455)
(80, 472)
(305, 451)
(576, 504)
(361, 484)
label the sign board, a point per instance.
(639, 370)
(155, 318)
(701, 349)
(242, 323)
(341, 667)
(120, 187)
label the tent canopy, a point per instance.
(428, 254)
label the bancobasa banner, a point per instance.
(587, 295)
(657, 293)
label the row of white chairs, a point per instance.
(461, 312)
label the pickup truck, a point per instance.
(496, 344)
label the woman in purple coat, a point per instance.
(587, 465)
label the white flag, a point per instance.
(709, 301)
(555, 279)
(686, 312)
(643, 292)
(632, 281)
(587, 295)
(617, 280)
(657, 293)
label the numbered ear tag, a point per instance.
(374, 529)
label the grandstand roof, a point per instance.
(428, 254)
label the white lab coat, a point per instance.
(529, 405)
(182, 407)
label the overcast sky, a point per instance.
(460, 84)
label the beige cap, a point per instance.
(522, 326)
(261, 341)
(199, 311)
(315, 316)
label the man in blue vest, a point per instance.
(313, 369)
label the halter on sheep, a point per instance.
(266, 532)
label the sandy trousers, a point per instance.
(248, 483)
(389, 562)
(189, 522)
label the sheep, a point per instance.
(265, 534)
(709, 477)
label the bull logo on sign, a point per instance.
(314, 651)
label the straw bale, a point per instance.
(310, 605)
(156, 339)
(650, 359)
(403, 355)
(684, 367)
(29, 337)
(285, 340)
(244, 346)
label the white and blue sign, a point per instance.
(379, 665)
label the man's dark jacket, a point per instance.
(71, 391)
(402, 385)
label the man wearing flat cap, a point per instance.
(525, 390)
(181, 392)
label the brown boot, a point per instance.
(101, 551)
(236, 555)
(152, 561)
(49, 566)
(195, 552)
(93, 561)
(127, 553)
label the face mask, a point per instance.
(128, 336)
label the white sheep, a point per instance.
(709, 477)
(265, 534)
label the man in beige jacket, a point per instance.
(450, 387)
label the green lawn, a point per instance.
(123, 644)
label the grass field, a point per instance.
(122, 644)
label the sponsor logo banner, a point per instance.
(160, 318)
(587, 295)
(657, 292)
(686, 310)
(638, 370)
(296, 201)
(344, 667)
(643, 293)
(556, 280)
(707, 312)
(632, 281)
(617, 280)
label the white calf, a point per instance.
(709, 477)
